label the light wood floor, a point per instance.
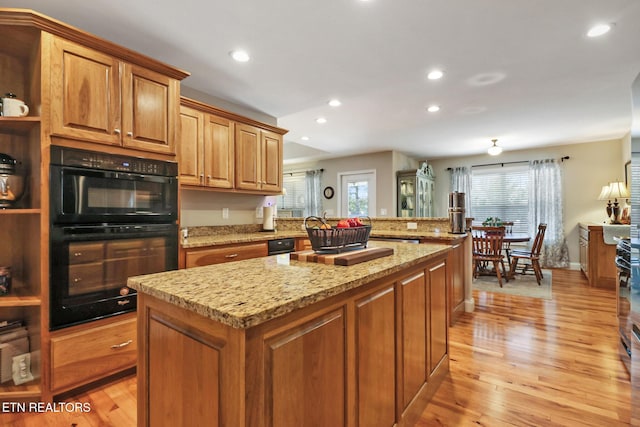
(514, 361)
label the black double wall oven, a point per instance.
(112, 217)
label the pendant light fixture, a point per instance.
(494, 150)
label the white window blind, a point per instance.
(294, 200)
(501, 191)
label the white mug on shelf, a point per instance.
(14, 107)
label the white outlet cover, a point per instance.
(412, 226)
(259, 212)
(225, 213)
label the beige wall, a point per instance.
(385, 164)
(591, 165)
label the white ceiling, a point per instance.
(551, 84)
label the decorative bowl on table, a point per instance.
(351, 233)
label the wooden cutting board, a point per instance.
(345, 258)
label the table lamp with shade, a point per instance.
(615, 190)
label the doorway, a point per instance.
(357, 193)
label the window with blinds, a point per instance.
(501, 191)
(635, 193)
(294, 200)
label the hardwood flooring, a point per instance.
(515, 361)
(533, 362)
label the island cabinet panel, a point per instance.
(438, 325)
(372, 355)
(183, 350)
(306, 374)
(375, 348)
(413, 297)
(456, 264)
(191, 370)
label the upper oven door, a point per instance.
(84, 195)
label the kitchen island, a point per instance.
(276, 342)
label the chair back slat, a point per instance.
(537, 242)
(487, 241)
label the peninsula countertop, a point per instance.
(247, 293)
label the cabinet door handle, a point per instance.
(122, 344)
(77, 254)
(124, 302)
(129, 133)
(116, 131)
(231, 256)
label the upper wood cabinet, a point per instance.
(258, 159)
(223, 150)
(206, 149)
(96, 97)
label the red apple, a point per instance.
(343, 223)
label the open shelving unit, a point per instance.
(22, 241)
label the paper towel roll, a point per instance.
(267, 218)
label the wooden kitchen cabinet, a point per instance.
(198, 257)
(206, 149)
(597, 259)
(228, 152)
(456, 263)
(369, 356)
(258, 159)
(70, 80)
(99, 98)
(92, 351)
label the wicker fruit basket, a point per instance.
(330, 239)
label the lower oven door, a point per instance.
(90, 266)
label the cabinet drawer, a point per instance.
(198, 258)
(86, 355)
(86, 278)
(80, 253)
(584, 233)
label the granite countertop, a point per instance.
(236, 238)
(247, 293)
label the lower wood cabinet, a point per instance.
(372, 356)
(597, 259)
(375, 352)
(305, 372)
(209, 255)
(86, 353)
(456, 263)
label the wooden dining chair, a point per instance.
(506, 246)
(530, 257)
(487, 251)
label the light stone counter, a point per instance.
(236, 238)
(246, 293)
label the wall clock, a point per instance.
(328, 192)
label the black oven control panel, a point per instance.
(95, 160)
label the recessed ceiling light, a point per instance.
(435, 75)
(433, 108)
(321, 120)
(305, 138)
(598, 30)
(335, 103)
(240, 55)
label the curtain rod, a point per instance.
(297, 172)
(562, 159)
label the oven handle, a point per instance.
(112, 174)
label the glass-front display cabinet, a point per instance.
(415, 192)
